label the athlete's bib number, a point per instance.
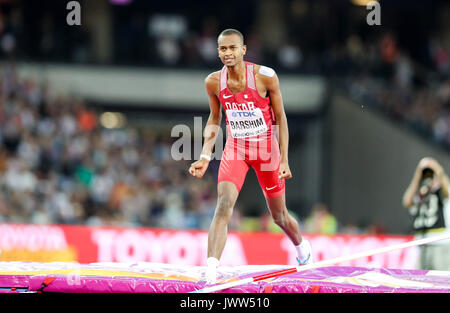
(245, 124)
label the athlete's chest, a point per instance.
(240, 86)
(237, 86)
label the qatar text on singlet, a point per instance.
(248, 115)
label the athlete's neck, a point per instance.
(237, 71)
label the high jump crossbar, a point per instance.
(403, 245)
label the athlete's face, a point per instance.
(231, 50)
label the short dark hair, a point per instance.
(232, 31)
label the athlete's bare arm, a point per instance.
(268, 79)
(212, 127)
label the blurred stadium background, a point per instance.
(86, 112)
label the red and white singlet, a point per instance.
(251, 140)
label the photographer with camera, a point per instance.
(427, 200)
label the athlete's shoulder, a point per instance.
(213, 78)
(212, 82)
(264, 70)
(266, 76)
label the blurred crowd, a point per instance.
(381, 75)
(58, 164)
(426, 110)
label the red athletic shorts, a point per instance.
(263, 156)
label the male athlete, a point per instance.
(252, 102)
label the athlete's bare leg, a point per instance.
(218, 230)
(227, 195)
(283, 219)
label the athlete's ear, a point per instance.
(244, 49)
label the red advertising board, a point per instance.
(84, 244)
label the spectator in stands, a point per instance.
(427, 200)
(321, 221)
(440, 55)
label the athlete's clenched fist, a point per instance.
(198, 168)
